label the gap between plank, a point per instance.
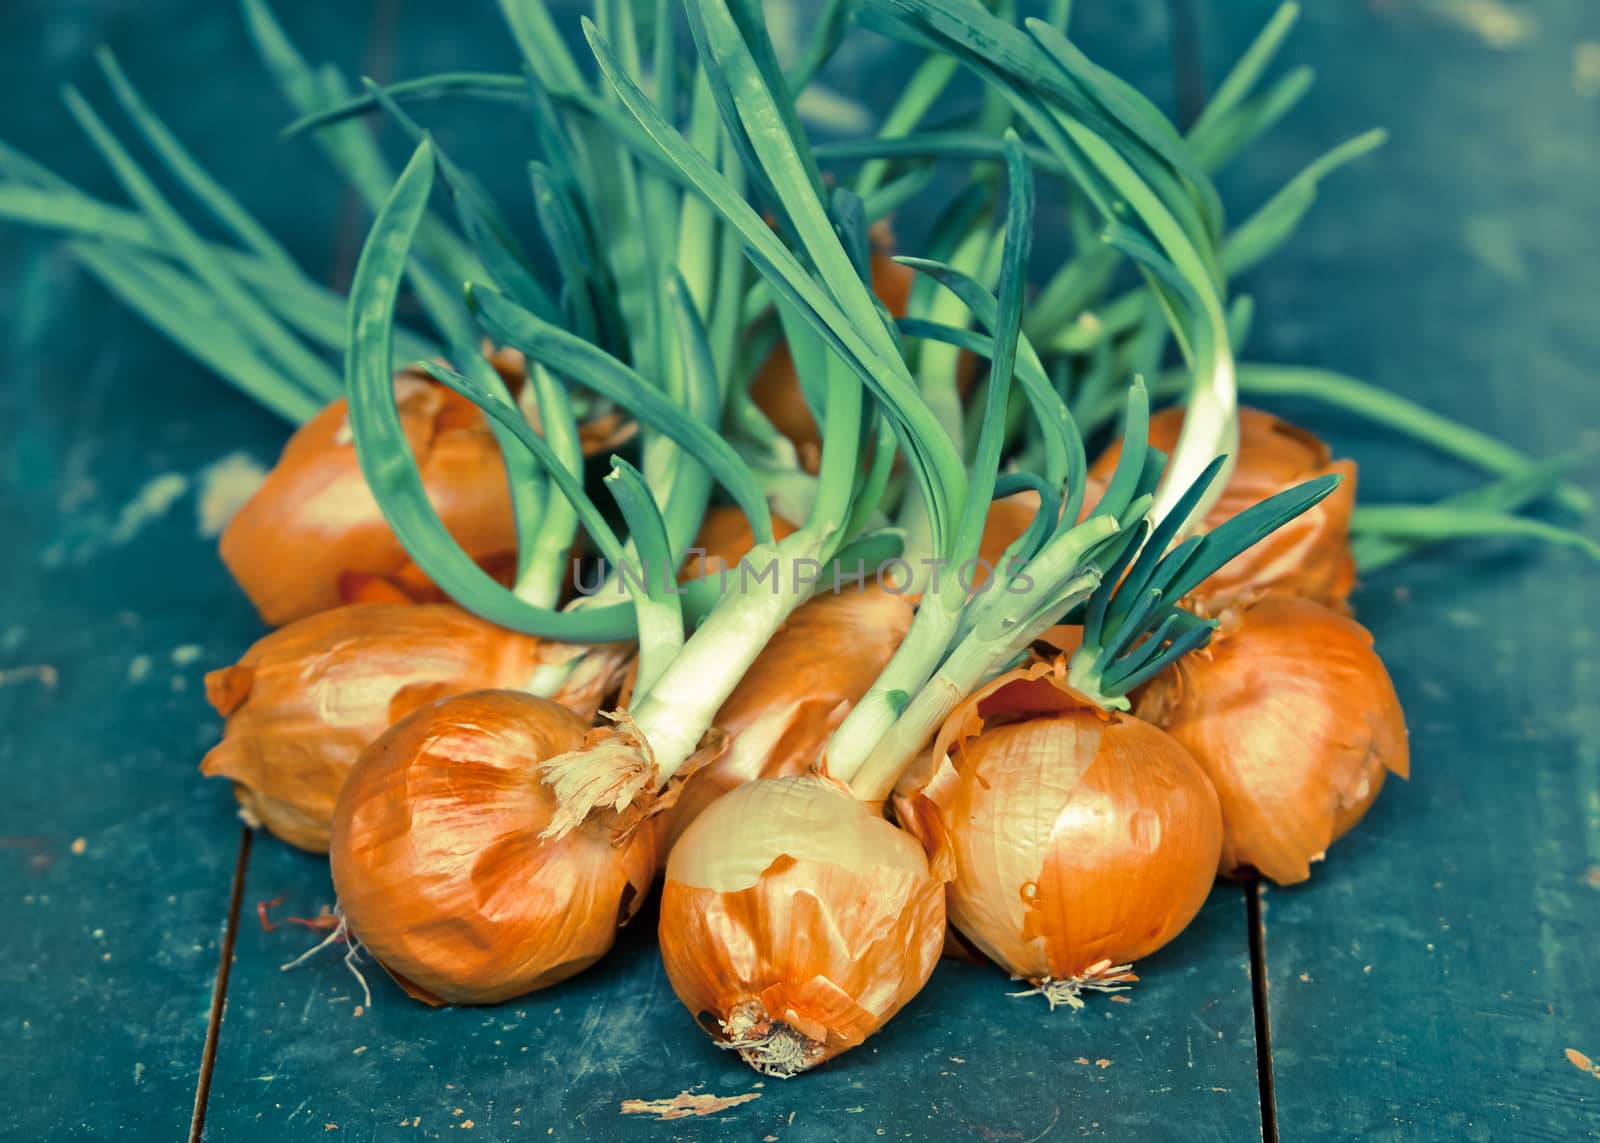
(219, 990)
(378, 60)
(1259, 985)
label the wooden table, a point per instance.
(1424, 985)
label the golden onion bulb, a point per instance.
(1080, 841)
(439, 865)
(796, 693)
(1292, 714)
(304, 701)
(1310, 555)
(795, 921)
(315, 505)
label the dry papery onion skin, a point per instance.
(795, 921)
(295, 545)
(305, 700)
(1079, 840)
(438, 862)
(1292, 714)
(1308, 556)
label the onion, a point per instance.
(316, 504)
(798, 690)
(1291, 713)
(775, 390)
(1080, 840)
(439, 866)
(795, 921)
(304, 701)
(1310, 555)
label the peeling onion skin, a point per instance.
(1292, 714)
(1308, 556)
(314, 523)
(796, 693)
(438, 862)
(304, 701)
(795, 921)
(1076, 839)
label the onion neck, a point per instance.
(1084, 677)
(909, 669)
(1210, 429)
(675, 713)
(870, 756)
(976, 660)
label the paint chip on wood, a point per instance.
(1583, 1063)
(152, 502)
(42, 673)
(224, 487)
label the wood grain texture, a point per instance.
(1428, 979)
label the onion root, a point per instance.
(1102, 976)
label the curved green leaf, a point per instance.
(593, 368)
(385, 455)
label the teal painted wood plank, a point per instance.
(115, 858)
(116, 862)
(965, 1061)
(1428, 980)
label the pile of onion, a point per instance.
(304, 701)
(447, 813)
(1068, 816)
(1292, 714)
(1079, 839)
